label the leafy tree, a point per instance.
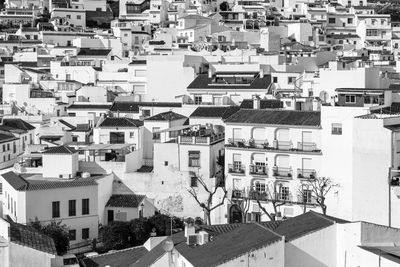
(57, 231)
(140, 230)
(116, 235)
(224, 6)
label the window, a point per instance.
(117, 138)
(237, 162)
(284, 193)
(72, 207)
(274, 79)
(337, 128)
(198, 99)
(291, 80)
(194, 158)
(350, 20)
(85, 233)
(217, 100)
(35, 37)
(4, 148)
(193, 181)
(307, 196)
(332, 20)
(72, 235)
(165, 163)
(156, 136)
(131, 134)
(260, 187)
(55, 207)
(8, 147)
(372, 32)
(85, 206)
(78, 17)
(68, 16)
(98, 8)
(350, 99)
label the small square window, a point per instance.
(165, 163)
(274, 79)
(193, 181)
(131, 134)
(337, 128)
(351, 99)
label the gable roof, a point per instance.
(93, 52)
(214, 112)
(18, 124)
(21, 184)
(230, 245)
(133, 107)
(264, 103)
(166, 116)
(30, 237)
(125, 201)
(7, 137)
(60, 150)
(276, 117)
(120, 122)
(202, 81)
(120, 258)
(16, 181)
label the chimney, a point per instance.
(189, 230)
(256, 102)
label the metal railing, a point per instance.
(306, 173)
(258, 170)
(236, 168)
(283, 145)
(306, 146)
(281, 172)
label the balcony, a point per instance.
(307, 146)
(306, 173)
(236, 168)
(202, 140)
(236, 193)
(258, 170)
(283, 145)
(283, 172)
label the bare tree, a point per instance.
(272, 197)
(320, 187)
(208, 206)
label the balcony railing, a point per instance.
(201, 139)
(283, 145)
(275, 145)
(306, 146)
(258, 170)
(236, 168)
(308, 200)
(306, 173)
(283, 172)
(236, 193)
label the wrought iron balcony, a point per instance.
(283, 145)
(306, 173)
(236, 168)
(258, 170)
(307, 146)
(283, 172)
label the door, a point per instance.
(306, 141)
(110, 216)
(237, 134)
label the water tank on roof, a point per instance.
(85, 175)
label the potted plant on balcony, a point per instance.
(266, 145)
(252, 143)
(300, 175)
(289, 175)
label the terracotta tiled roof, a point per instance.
(60, 150)
(214, 112)
(133, 107)
(18, 124)
(276, 117)
(120, 122)
(166, 116)
(120, 258)
(29, 237)
(125, 201)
